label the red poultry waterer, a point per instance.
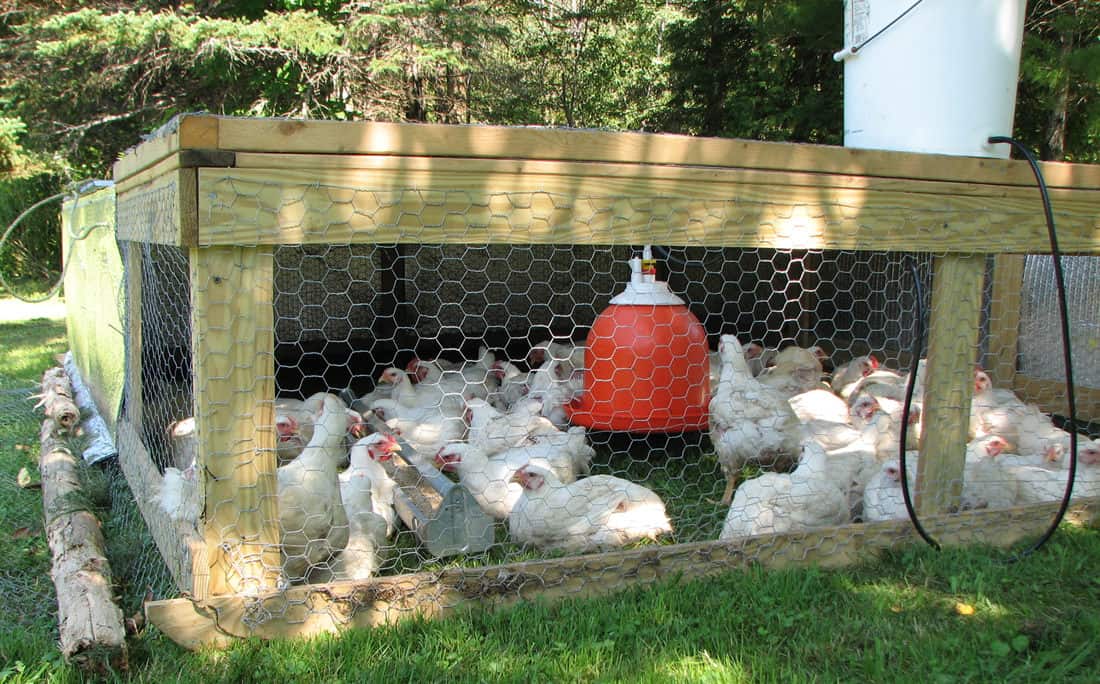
(646, 362)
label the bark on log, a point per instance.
(56, 399)
(92, 635)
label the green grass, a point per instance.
(892, 620)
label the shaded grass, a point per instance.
(28, 609)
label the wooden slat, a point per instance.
(179, 546)
(499, 142)
(310, 610)
(949, 385)
(336, 165)
(258, 206)
(189, 132)
(1004, 317)
(233, 342)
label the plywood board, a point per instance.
(94, 300)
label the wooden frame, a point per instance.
(316, 609)
(233, 188)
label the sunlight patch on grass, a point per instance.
(704, 668)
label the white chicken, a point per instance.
(774, 503)
(794, 370)
(488, 480)
(882, 497)
(1041, 478)
(512, 385)
(749, 422)
(471, 379)
(597, 512)
(819, 404)
(364, 486)
(555, 385)
(421, 395)
(179, 495)
(570, 355)
(846, 375)
(493, 431)
(367, 473)
(311, 518)
(855, 424)
(294, 424)
(986, 482)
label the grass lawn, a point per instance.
(919, 615)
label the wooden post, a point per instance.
(90, 628)
(949, 385)
(1004, 317)
(134, 389)
(234, 361)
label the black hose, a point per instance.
(1067, 355)
(1067, 358)
(910, 385)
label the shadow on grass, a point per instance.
(903, 618)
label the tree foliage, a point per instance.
(81, 84)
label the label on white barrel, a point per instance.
(857, 21)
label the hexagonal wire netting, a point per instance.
(445, 348)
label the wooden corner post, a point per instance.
(234, 369)
(949, 386)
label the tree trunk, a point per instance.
(1054, 142)
(92, 635)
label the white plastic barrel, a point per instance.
(940, 80)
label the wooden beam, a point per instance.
(336, 166)
(265, 206)
(183, 132)
(949, 385)
(314, 609)
(182, 548)
(502, 142)
(160, 210)
(234, 366)
(1004, 317)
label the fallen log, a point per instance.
(90, 625)
(56, 399)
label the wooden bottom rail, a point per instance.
(320, 608)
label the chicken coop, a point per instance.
(268, 260)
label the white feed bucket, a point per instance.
(942, 79)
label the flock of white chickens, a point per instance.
(829, 449)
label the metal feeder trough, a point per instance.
(440, 512)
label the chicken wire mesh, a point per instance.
(462, 360)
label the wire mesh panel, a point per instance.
(418, 373)
(422, 402)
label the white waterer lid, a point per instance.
(644, 289)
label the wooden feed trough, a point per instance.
(271, 226)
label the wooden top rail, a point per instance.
(289, 136)
(273, 181)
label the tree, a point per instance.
(757, 69)
(1058, 109)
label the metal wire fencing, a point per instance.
(471, 358)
